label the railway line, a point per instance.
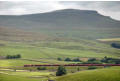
(38, 65)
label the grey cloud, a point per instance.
(27, 7)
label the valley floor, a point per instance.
(47, 53)
(105, 74)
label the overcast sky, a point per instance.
(111, 9)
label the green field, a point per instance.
(4, 77)
(107, 74)
(17, 63)
(53, 50)
(23, 76)
(47, 52)
(110, 40)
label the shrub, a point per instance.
(13, 56)
(59, 59)
(67, 59)
(18, 56)
(41, 68)
(8, 57)
(76, 60)
(92, 67)
(92, 59)
(115, 45)
(110, 60)
(92, 62)
(61, 71)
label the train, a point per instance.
(38, 65)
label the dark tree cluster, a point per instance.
(61, 71)
(13, 56)
(76, 60)
(110, 60)
(59, 59)
(69, 59)
(92, 61)
(73, 60)
(92, 67)
(115, 45)
(106, 60)
(41, 68)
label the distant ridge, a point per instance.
(60, 18)
(63, 22)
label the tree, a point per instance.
(76, 60)
(110, 60)
(13, 56)
(61, 71)
(107, 59)
(92, 67)
(18, 56)
(59, 59)
(92, 62)
(92, 59)
(67, 59)
(8, 57)
(41, 68)
(115, 45)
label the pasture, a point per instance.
(106, 74)
(110, 40)
(23, 76)
(44, 52)
(53, 50)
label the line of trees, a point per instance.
(92, 67)
(106, 59)
(110, 60)
(115, 45)
(13, 56)
(93, 60)
(41, 68)
(69, 59)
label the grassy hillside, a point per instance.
(67, 18)
(48, 52)
(68, 23)
(107, 74)
(17, 63)
(54, 50)
(81, 33)
(18, 35)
